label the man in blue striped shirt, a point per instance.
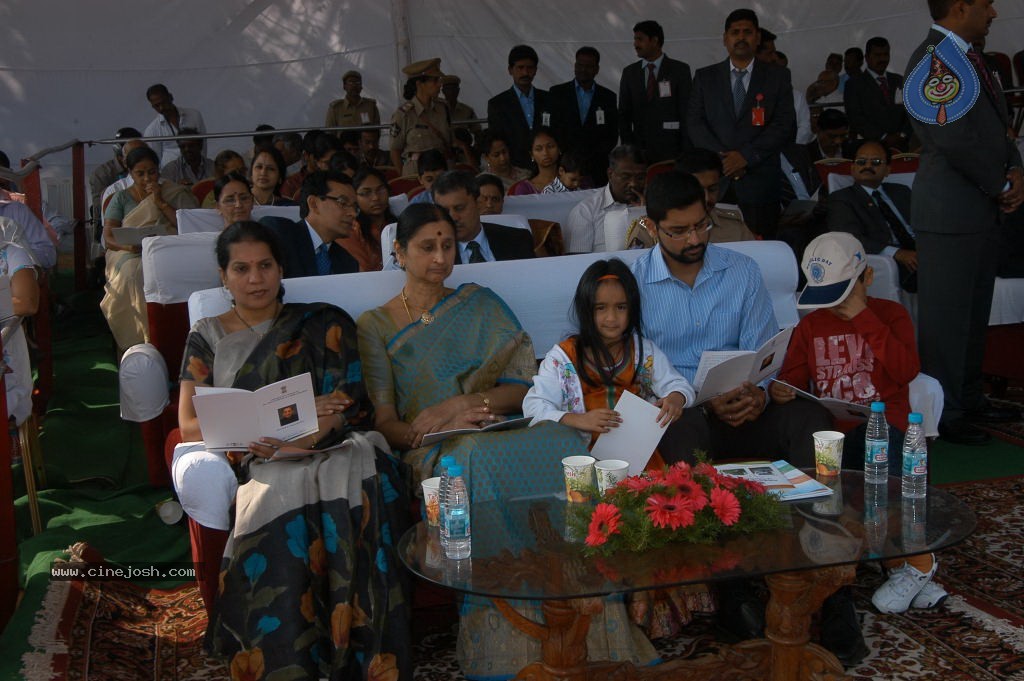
(698, 297)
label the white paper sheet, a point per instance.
(637, 436)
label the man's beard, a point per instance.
(688, 259)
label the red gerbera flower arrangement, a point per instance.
(674, 504)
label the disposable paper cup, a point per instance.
(831, 505)
(434, 554)
(828, 452)
(610, 472)
(169, 511)
(431, 487)
(579, 474)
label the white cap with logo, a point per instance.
(832, 263)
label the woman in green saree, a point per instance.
(437, 359)
(309, 585)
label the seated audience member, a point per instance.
(422, 122)
(833, 132)
(860, 349)
(680, 279)
(353, 109)
(877, 212)
(345, 163)
(293, 183)
(491, 197)
(327, 212)
(451, 88)
(495, 159)
(706, 166)
(456, 192)
(170, 120)
(429, 166)
(290, 146)
(263, 138)
(825, 90)
(853, 63)
(37, 238)
(544, 153)
(227, 161)
(110, 171)
(363, 243)
(17, 266)
(232, 195)
(147, 202)
(570, 172)
(352, 539)
(191, 166)
(834, 62)
(124, 182)
(435, 359)
(267, 175)
(870, 99)
(370, 152)
(325, 147)
(520, 110)
(350, 142)
(585, 230)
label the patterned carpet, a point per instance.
(1009, 432)
(114, 631)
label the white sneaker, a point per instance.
(930, 596)
(904, 584)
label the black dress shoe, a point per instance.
(740, 611)
(840, 629)
(993, 414)
(960, 432)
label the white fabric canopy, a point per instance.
(80, 69)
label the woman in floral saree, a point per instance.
(310, 585)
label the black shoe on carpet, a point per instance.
(740, 611)
(840, 629)
(960, 432)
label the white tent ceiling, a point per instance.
(80, 69)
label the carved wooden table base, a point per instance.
(786, 653)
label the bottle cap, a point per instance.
(915, 417)
(878, 407)
(455, 470)
(447, 461)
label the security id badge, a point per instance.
(545, 119)
(664, 88)
(757, 112)
(599, 116)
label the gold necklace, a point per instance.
(277, 311)
(427, 317)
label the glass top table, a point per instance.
(523, 549)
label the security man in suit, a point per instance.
(328, 210)
(456, 191)
(423, 122)
(742, 108)
(520, 110)
(969, 178)
(870, 99)
(585, 115)
(878, 213)
(654, 95)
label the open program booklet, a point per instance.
(231, 418)
(840, 409)
(720, 371)
(780, 477)
(509, 424)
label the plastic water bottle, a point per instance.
(456, 516)
(876, 446)
(915, 460)
(442, 495)
(876, 517)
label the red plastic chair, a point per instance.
(829, 166)
(403, 185)
(202, 188)
(658, 168)
(905, 163)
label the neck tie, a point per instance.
(896, 225)
(652, 84)
(323, 259)
(982, 69)
(883, 84)
(739, 93)
(475, 255)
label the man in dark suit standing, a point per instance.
(878, 213)
(870, 99)
(328, 211)
(654, 94)
(456, 191)
(520, 110)
(585, 116)
(743, 109)
(969, 178)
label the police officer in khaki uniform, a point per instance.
(460, 112)
(352, 109)
(421, 123)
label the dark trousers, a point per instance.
(955, 278)
(783, 431)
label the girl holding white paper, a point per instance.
(582, 378)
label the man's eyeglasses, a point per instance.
(341, 201)
(237, 200)
(869, 162)
(697, 230)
